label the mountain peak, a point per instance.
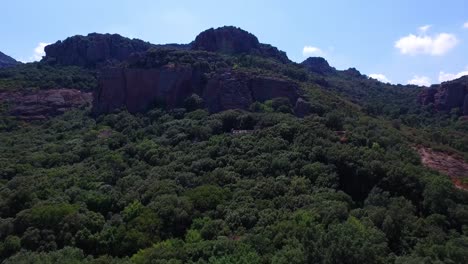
(234, 40)
(318, 65)
(93, 49)
(7, 61)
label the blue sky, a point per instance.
(402, 40)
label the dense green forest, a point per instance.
(342, 185)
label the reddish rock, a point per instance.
(446, 163)
(136, 89)
(447, 95)
(227, 91)
(44, 103)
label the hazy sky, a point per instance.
(400, 40)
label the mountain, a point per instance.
(224, 151)
(233, 40)
(170, 78)
(7, 61)
(93, 50)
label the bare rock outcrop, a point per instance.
(233, 40)
(137, 89)
(38, 105)
(447, 95)
(93, 50)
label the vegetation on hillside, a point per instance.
(342, 185)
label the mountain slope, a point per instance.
(7, 61)
(179, 183)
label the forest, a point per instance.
(341, 185)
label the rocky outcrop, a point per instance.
(302, 108)
(7, 61)
(98, 50)
(233, 40)
(42, 104)
(447, 95)
(427, 96)
(449, 164)
(93, 50)
(353, 72)
(137, 89)
(318, 65)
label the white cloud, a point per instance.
(435, 45)
(443, 76)
(465, 25)
(308, 51)
(420, 80)
(38, 51)
(380, 77)
(425, 28)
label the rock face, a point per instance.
(452, 165)
(302, 108)
(427, 96)
(7, 61)
(93, 50)
(136, 89)
(448, 95)
(318, 65)
(232, 40)
(44, 103)
(97, 50)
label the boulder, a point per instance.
(42, 104)
(302, 108)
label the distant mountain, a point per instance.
(7, 61)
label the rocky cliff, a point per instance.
(447, 95)
(318, 65)
(93, 50)
(7, 61)
(233, 40)
(96, 50)
(136, 89)
(38, 105)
